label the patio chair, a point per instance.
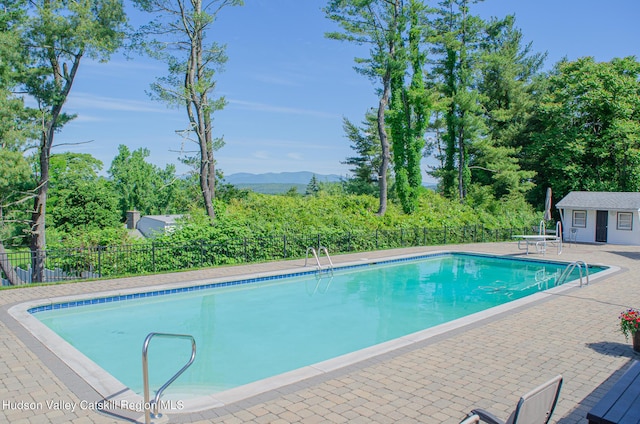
(534, 407)
(471, 419)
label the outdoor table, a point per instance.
(539, 241)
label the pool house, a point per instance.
(601, 217)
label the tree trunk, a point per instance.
(386, 156)
(38, 243)
(9, 271)
(199, 117)
(462, 159)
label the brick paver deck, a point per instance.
(487, 364)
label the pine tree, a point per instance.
(313, 188)
(365, 142)
(375, 23)
(456, 42)
(507, 68)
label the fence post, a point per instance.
(376, 239)
(284, 246)
(445, 234)
(244, 248)
(100, 261)
(153, 256)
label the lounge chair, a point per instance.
(471, 419)
(534, 407)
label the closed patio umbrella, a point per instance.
(547, 205)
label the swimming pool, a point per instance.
(261, 327)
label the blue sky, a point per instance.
(288, 87)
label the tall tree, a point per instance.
(585, 132)
(410, 108)
(507, 70)
(457, 42)
(177, 35)
(57, 35)
(374, 23)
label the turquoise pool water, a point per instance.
(258, 328)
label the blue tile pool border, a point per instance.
(252, 280)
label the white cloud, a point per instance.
(295, 156)
(262, 107)
(79, 101)
(269, 79)
(261, 154)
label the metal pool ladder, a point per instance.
(567, 271)
(315, 255)
(148, 405)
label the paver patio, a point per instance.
(487, 364)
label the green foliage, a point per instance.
(86, 205)
(313, 187)
(14, 183)
(409, 110)
(457, 42)
(365, 141)
(143, 186)
(90, 237)
(585, 132)
(507, 68)
(265, 214)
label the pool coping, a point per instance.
(121, 397)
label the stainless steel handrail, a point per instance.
(315, 255)
(567, 271)
(148, 405)
(326, 252)
(317, 258)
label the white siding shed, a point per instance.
(603, 217)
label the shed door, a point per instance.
(602, 219)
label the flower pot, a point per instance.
(636, 341)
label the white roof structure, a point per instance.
(601, 200)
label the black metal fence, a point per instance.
(154, 257)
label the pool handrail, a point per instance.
(316, 256)
(148, 405)
(567, 271)
(326, 252)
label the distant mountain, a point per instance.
(277, 183)
(302, 177)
